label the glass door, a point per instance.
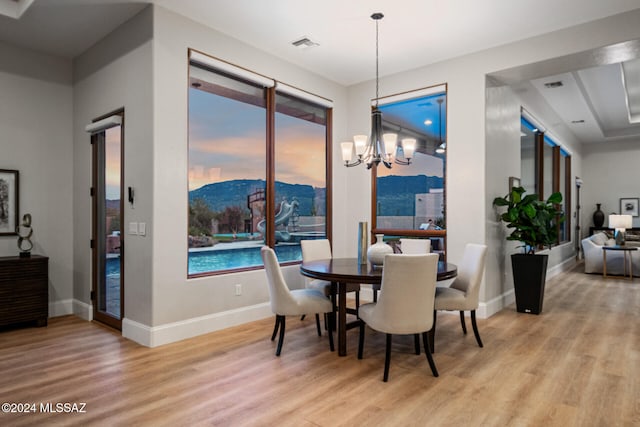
(108, 291)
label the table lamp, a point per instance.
(620, 223)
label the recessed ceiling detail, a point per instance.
(14, 8)
(631, 82)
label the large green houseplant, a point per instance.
(534, 223)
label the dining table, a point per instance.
(342, 271)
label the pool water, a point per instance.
(223, 259)
(226, 259)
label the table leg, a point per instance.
(604, 263)
(334, 292)
(342, 319)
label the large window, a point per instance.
(257, 168)
(411, 200)
(546, 168)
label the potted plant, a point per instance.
(534, 223)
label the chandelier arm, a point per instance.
(402, 162)
(352, 164)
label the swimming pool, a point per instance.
(223, 259)
(226, 259)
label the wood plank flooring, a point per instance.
(576, 364)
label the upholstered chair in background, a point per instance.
(285, 302)
(463, 293)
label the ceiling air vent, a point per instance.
(304, 42)
(553, 85)
(575, 122)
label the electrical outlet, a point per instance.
(238, 289)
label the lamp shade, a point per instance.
(347, 150)
(620, 221)
(409, 147)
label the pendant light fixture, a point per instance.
(378, 147)
(442, 148)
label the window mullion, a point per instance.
(270, 203)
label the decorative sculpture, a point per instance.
(25, 232)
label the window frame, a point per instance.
(374, 193)
(543, 138)
(270, 154)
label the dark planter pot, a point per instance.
(529, 276)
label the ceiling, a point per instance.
(413, 33)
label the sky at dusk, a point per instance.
(112, 163)
(227, 142)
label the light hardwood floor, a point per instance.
(576, 364)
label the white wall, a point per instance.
(469, 191)
(36, 140)
(177, 300)
(143, 67)
(611, 172)
(117, 73)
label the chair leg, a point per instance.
(361, 340)
(318, 325)
(375, 295)
(432, 333)
(331, 346)
(275, 328)
(302, 317)
(387, 359)
(429, 351)
(475, 327)
(416, 339)
(281, 339)
(463, 323)
(357, 303)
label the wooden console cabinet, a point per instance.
(24, 290)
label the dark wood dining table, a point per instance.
(341, 271)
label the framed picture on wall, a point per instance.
(8, 202)
(513, 182)
(629, 206)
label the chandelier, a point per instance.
(378, 147)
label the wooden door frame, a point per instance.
(97, 314)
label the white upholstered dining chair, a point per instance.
(415, 246)
(285, 302)
(405, 303)
(317, 249)
(408, 247)
(463, 293)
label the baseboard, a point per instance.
(61, 308)
(82, 310)
(494, 305)
(177, 331)
(566, 265)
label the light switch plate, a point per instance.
(142, 228)
(133, 228)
